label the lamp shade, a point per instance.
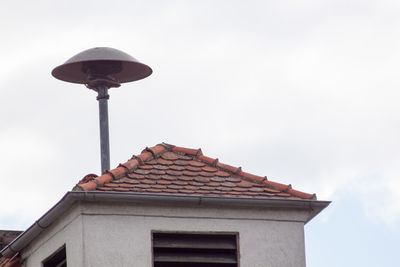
(104, 61)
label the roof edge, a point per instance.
(19, 243)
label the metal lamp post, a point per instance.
(100, 69)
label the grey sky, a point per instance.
(305, 92)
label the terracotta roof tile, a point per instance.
(88, 178)
(154, 190)
(105, 178)
(168, 190)
(131, 164)
(148, 181)
(196, 163)
(161, 167)
(222, 173)
(185, 178)
(164, 182)
(206, 174)
(229, 184)
(239, 189)
(89, 186)
(189, 151)
(177, 168)
(174, 173)
(229, 167)
(117, 172)
(135, 175)
(233, 179)
(193, 169)
(146, 167)
(10, 262)
(157, 171)
(170, 156)
(167, 169)
(172, 186)
(169, 178)
(158, 186)
(196, 183)
(252, 177)
(164, 162)
(142, 171)
(186, 191)
(201, 179)
(155, 150)
(208, 160)
(209, 169)
(217, 179)
(6, 237)
(101, 188)
(125, 185)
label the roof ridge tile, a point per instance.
(226, 167)
(252, 177)
(169, 147)
(211, 161)
(131, 164)
(105, 178)
(140, 161)
(89, 186)
(118, 172)
(238, 170)
(145, 156)
(288, 188)
(190, 151)
(88, 177)
(302, 194)
(276, 185)
(156, 150)
(149, 150)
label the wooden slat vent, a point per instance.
(195, 249)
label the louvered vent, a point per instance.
(195, 249)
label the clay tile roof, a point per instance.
(167, 169)
(7, 236)
(10, 262)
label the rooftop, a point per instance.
(169, 173)
(6, 236)
(171, 170)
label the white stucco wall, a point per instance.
(66, 230)
(104, 234)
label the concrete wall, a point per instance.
(104, 234)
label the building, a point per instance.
(170, 206)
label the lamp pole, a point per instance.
(100, 82)
(100, 69)
(103, 97)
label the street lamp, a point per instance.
(100, 69)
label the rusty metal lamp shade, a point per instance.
(104, 61)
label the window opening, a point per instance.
(57, 259)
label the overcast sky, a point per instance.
(305, 92)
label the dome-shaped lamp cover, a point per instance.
(105, 61)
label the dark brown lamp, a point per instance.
(100, 69)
